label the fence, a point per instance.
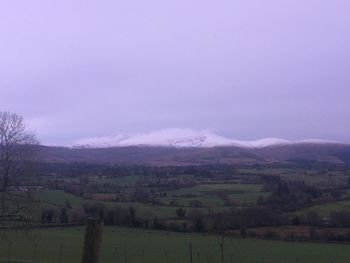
(36, 252)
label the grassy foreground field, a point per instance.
(134, 246)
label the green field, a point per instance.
(59, 198)
(211, 194)
(317, 177)
(327, 208)
(125, 181)
(134, 246)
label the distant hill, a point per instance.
(181, 138)
(298, 153)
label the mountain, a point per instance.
(182, 138)
(189, 147)
(291, 154)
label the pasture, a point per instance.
(325, 209)
(134, 246)
(217, 197)
(60, 198)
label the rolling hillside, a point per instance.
(301, 153)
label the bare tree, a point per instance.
(16, 149)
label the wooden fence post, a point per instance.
(92, 241)
(191, 257)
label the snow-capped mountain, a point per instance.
(182, 138)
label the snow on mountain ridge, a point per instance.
(100, 142)
(181, 138)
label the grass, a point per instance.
(133, 246)
(147, 211)
(316, 177)
(325, 209)
(123, 181)
(227, 188)
(59, 198)
(211, 194)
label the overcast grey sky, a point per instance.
(245, 69)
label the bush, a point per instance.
(270, 234)
(252, 233)
(243, 232)
(313, 234)
(180, 212)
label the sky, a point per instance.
(245, 69)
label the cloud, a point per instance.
(247, 69)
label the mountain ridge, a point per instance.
(313, 154)
(184, 138)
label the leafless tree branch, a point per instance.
(16, 148)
